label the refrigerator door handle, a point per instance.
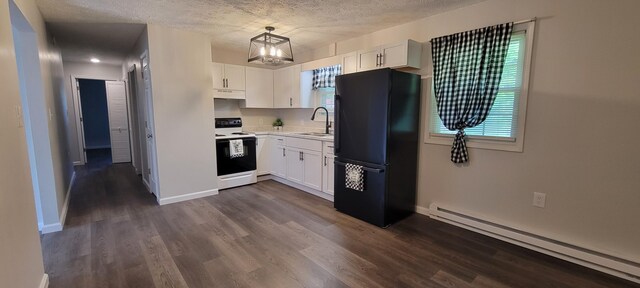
(374, 170)
(336, 129)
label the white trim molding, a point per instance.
(185, 197)
(44, 283)
(58, 226)
(616, 265)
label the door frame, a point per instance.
(153, 185)
(77, 107)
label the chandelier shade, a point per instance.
(270, 49)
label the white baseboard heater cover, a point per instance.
(600, 261)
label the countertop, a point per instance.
(295, 134)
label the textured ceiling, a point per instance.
(108, 42)
(230, 23)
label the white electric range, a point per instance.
(234, 168)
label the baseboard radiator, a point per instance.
(623, 268)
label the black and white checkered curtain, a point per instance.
(325, 77)
(466, 70)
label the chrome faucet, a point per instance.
(327, 124)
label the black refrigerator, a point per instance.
(376, 145)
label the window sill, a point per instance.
(479, 142)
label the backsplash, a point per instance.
(254, 119)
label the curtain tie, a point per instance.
(459, 152)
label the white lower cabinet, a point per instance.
(278, 157)
(312, 162)
(295, 165)
(263, 155)
(327, 168)
(299, 160)
(304, 167)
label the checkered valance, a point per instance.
(325, 77)
(466, 72)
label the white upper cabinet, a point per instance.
(396, 55)
(289, 88)
(235, 77)
(282, 87)
(228, 81)
(368, 59)
(259, 88)
(350, 63)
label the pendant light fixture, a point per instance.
(270, 49)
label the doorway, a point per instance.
(104, 121)
(35, 117)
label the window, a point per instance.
(324, 87)
(504, 127)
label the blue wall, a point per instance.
(93, 96)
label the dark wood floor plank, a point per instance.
(272, 235)
(164, 271)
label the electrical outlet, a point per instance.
(539, 199)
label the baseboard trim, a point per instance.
(58, 226)
(50, 228)
(597, 260)
(298, 186)
(422, 210)
(185, 197)
(65, 207)
(44, 283)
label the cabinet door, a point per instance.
(295, 88)
(327, 175)
(278, 161)
(368, 59)
(217, 75)
(312, 169)
(282, 88)
(350, 63)
(295, 165)
(235, 77)
(394, 55)
(259, 88)
(263, 153)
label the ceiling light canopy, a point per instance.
(270, 49)
(95, 60)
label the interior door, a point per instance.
(118, 122)
(80, 124)
(151, 150)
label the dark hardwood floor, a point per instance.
(271, 235)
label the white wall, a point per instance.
(183, 111)
(54, 193)
(580, 144)
(20, 251)
(99, 71)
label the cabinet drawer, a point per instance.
(278, 140)
(300, 143)
(328, 147)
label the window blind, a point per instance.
(503, 116)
